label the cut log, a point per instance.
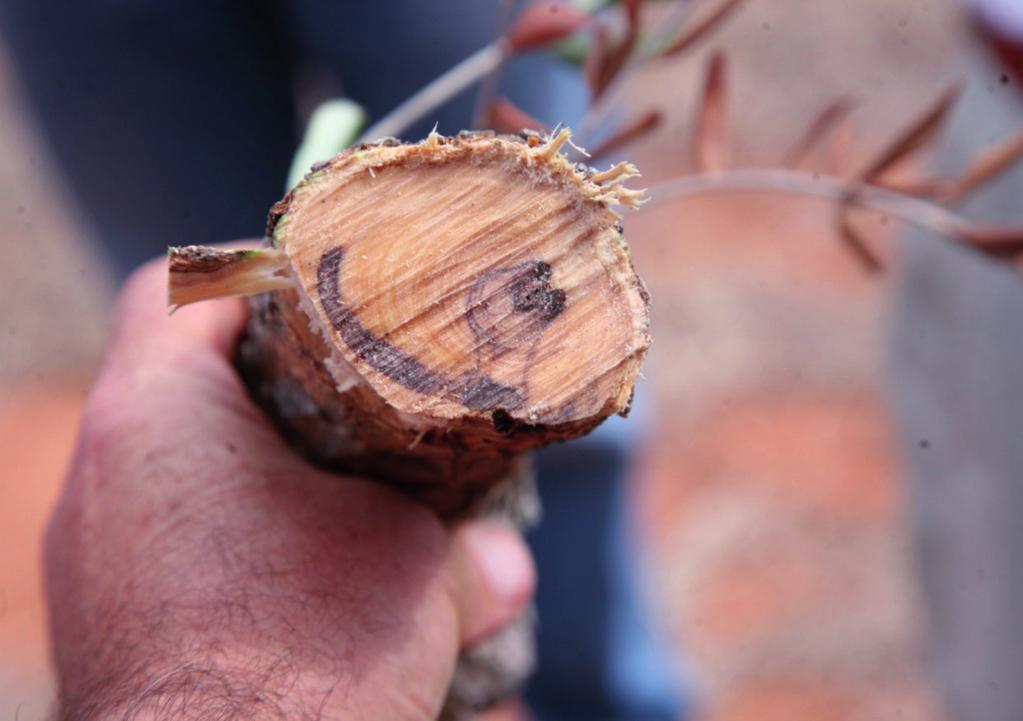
(438, 308)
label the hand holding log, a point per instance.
(433, 311)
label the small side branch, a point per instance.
(463, 75)
(197, 272)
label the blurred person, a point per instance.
(175, 124)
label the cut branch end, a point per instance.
(197, 273)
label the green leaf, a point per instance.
(332, 127)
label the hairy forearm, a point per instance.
(185, 692)
(262, 686)
(255, 605)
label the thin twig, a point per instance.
(438, 92)
(995, 241)
(921, 213)
(491, 80)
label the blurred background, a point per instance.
(827, 484)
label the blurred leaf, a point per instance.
(954, 190)
(840, 148)
(332, 127)
(593, 67)
(920, 187)
(689, 36)
(633, 11)
(607, 58)
(855, 243)
(919, 133)
(632, 130)
(506, 117)
(996, 241)
(826, 121)
(573, 49)
(616, 60)
(988, 167)
(543, 23)
(711, 151)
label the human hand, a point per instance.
(198, 569)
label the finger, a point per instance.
(142, 324)
(496, 578)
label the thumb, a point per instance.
(495, 578)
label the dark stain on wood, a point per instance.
(397, 365)
(474, 390)
(523, 289)
(481, 392)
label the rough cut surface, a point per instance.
(455, 302)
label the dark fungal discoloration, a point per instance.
(397, 365)
(523, 289)
(481, 392)
(473, 390)
(534, 294)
